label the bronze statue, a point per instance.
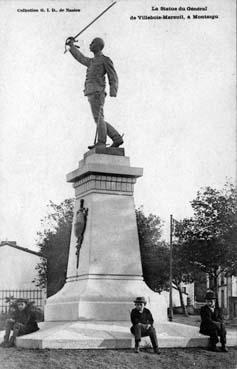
(97, 68)
(79, 228)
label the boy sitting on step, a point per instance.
(21, 322)
(142, 324)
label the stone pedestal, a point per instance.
(109, 275)
(92, 309)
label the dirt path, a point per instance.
(116, 359)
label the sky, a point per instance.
(175, 106)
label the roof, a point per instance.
(13, 244)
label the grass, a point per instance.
(13, 358)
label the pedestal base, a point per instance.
(102, 298)
(113, 335)
(108, 278)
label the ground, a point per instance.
(198, 358)
(116, 359)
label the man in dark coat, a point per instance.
(97, 67)
(142, 324)
(212, 323)
(22, 321)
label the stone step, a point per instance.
(112, 335)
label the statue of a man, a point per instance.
(97, 68)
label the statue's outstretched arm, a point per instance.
(79, 56)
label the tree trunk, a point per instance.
(215, 285)
(213, 279)
(182, 300)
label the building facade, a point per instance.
(17, 272)
(227, 295)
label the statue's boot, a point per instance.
(98, 144)
(117, 141)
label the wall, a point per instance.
(189, 288)
(234, 286)
(175, 297)
(17, 268)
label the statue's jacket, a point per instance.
(97, 68)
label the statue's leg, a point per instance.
(96, 101)
(114, 135)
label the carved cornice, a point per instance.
(105, 183)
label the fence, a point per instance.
(38, 296)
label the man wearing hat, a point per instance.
(212, 323)
(22, 321)
(142, 324)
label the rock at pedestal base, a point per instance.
(111, 335)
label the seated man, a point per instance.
(212, 323)
(22, 322)
(142, 324)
